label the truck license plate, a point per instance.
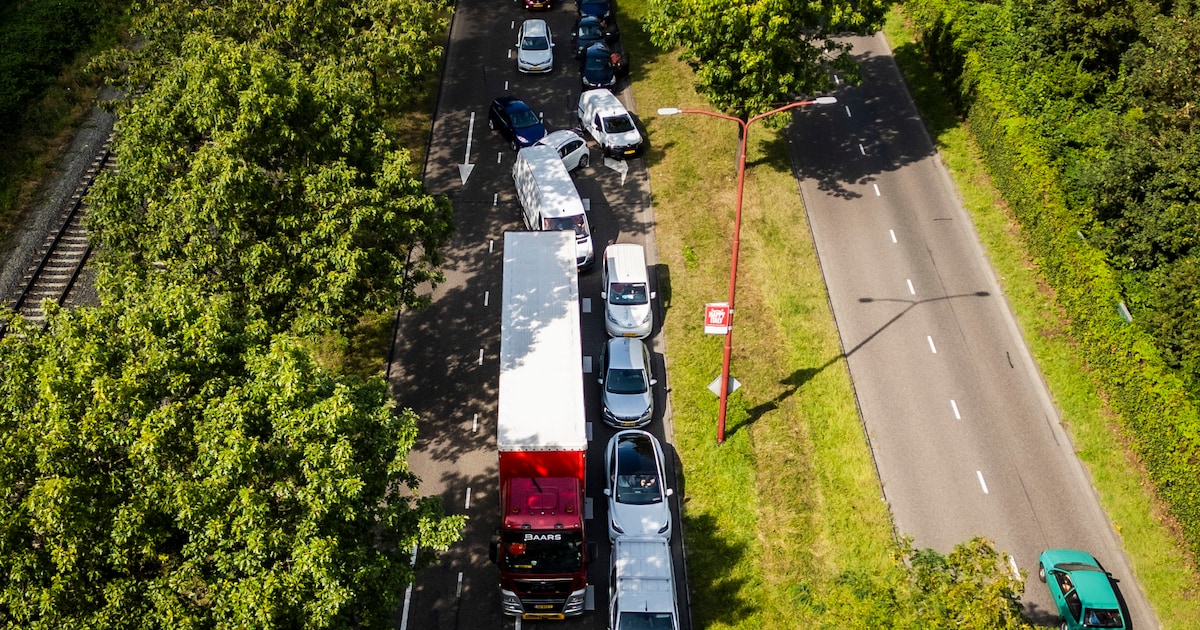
(543, 616)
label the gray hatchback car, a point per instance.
(627, 380)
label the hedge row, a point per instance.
(1151, 400)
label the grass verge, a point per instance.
(1164, 570)
(790, 504)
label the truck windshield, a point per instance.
(523, 553)
(577, 224)
(645, 621)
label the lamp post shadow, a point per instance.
(797, 379)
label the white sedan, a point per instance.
(571, 147)
(637, 492)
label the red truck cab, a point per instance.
(541, 549)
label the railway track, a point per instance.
(54, 271)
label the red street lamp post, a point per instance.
(737, 229)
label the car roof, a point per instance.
(599, 48)
(534, 26)
(631, 460)
(590, 19)
(626, 352)
(626, 262)
(559, 138)
(1095, 589)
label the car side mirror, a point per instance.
(608, 492)
(600, 380)
(604, 295)
(653, 294)
(593, 551)
(670, 492)
(654, 381)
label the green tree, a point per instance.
(242, 172)
(389, 46)
(750, 56)
(165, 466)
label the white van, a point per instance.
(609, 123)
(626, 292)
(641, 586)
(549, 198)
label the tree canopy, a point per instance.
(165, 466)
(242, 171)
(750, 56)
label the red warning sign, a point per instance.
(716, 318)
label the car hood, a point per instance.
(641, 520)
(625, 138)
(628, 316)
(628, 406)
(536, 57)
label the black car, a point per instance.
(596, 67)
(516, 121)
(588, 31)
(601, 9)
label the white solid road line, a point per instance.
(408, 593)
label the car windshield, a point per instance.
(577, 224)
(551, 556)
(626, 293)
(536, 42)
(618, 124)
(590, 30)
(640, 489)
(645, 621)
(524, 118)
(626, 381)
(1102, 618)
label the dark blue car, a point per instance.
(601, 9)
(516, 121)
(596, 67)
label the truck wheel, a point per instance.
(1041, 572)
(584, 160)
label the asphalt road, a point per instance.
(965, 436)
(446, 364)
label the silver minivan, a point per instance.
(626, 292)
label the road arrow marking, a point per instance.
(464, 169)
(620, 166)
